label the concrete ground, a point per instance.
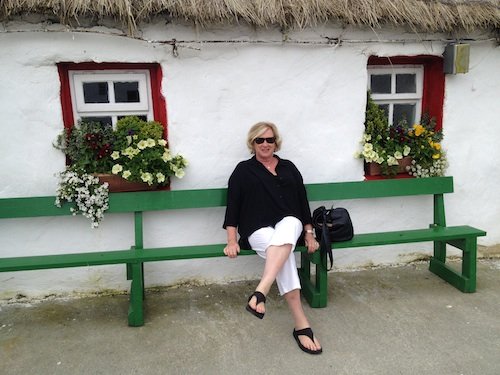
(401, 320)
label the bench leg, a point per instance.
(315, 294)
(466, 280)
(136, 311)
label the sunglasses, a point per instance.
(269, 140)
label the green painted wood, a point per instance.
(462, 237)
(216, 250)
(449, 275)
(136, 310)
(66, 260)
(204, 198)
(409, 236)
(379, 188)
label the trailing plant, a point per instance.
(90, 197)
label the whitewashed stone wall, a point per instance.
(315, 93)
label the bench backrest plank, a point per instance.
(203, 198)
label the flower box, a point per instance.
(374, 169)
(119, 184)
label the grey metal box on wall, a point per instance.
(456, 58)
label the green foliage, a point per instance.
(127, 126)
(429, 159)
(88, 146)
(151, 129)
(133, 125)
(387, 145)
(147, 160)
(376, 123)
(136, 150)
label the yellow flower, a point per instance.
(436, 156)
(419, 129)
(437, 146)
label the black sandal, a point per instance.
(309, 333)
(261, 298)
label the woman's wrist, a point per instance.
(309, 232)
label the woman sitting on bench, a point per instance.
(267, 205)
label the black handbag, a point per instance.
(332, 225)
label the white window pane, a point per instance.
(403, 112)
(95, 92)
(406, 83)
(380, 83)
(126, 92)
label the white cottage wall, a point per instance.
(214, 92)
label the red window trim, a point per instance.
(433, 87)
(159, 104)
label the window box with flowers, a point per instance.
(390, 150)
(133, 157)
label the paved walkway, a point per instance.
(386, 321)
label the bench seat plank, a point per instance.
(408, 236)
(39, 262)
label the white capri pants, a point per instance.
(286, 231)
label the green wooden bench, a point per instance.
(314, 286)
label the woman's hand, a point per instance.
(232, 249)
(311, 243)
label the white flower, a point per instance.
(179, 173)
(167, 156)
(117, 168)
(130, 152)
(142, 144)
(391, 160)
(162, 142)
(147, 177)
(126, 174)
(398, 155)
(89, 196)
(406, 150)
(150, 142)
(115, 155)
(160, 177)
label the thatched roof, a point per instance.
(421, 15)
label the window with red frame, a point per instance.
(106, 92)
(407, 87)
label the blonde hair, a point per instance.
(260, 128)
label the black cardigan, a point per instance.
(257, 199)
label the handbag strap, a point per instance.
(325, 244)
